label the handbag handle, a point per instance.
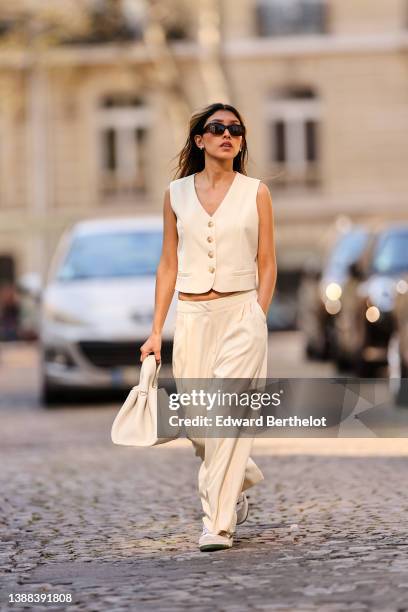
(156, 374)
(148, 375)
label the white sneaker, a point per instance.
(242, 509)
(211, 541)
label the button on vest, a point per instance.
(216, 251)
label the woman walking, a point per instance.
(219, 254)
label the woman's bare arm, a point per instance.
(267, 267)
(166, 275)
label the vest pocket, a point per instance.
(242, 272)
(184, 274)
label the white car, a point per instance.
(97, 307)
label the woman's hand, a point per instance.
(152, 345)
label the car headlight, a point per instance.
(333, 292)
(59, 316)
(372, 314)
(333, 307)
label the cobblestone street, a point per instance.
(117, 527)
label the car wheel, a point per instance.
(342, 363)
(331, 342)
(325, 352)
(341, 360)
(397, 372)
(361, 367)
(317, 353)
(310, 351)
(364, 369)
(50, 394)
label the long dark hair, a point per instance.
(191, 158)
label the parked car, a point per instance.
(364, 324)
(98, 303)
(398, 346)
(320, 293)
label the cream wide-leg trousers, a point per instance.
(224, 337)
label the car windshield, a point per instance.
(112, 255)
(391, 254)
(347, 250)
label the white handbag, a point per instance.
(136, 422)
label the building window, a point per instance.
(291, 17)
(294, 119)
(123, 125)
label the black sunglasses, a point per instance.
(235, 129)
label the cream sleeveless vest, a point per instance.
(216, 251)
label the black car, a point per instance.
(364, 325)
(320, 292)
